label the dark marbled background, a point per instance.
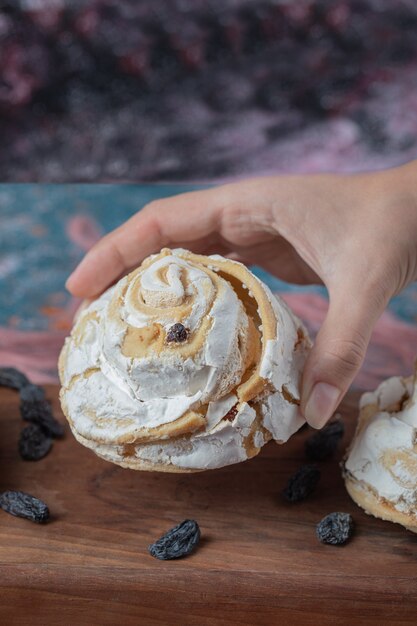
(140, 90)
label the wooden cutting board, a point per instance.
(259, 561)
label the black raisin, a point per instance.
(302, 483)
(231, 414)
(177, 542)
(24, 505)
(323, 444)
(11, 377)
(335, 528)
(177, 333)
(30, 393)
(40, 412)
(34, 444)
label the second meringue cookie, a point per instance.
(188, 363)
(380, 469)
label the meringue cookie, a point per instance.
(214, 397)
(381, 466)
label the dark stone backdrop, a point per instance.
(204, 89)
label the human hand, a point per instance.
(356, 234)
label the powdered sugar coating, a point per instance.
(113, 396)
(383, 455)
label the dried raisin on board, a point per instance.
(302, 483)
(31, 393)
(40, 412)
(335, 529)
(24, 505)
(177, 333)
(34, 444)
(177, 542)
(11, 377)
(323, 444)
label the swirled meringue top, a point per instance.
(125, 380)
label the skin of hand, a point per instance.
(356, 234)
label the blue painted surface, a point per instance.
(36, 254)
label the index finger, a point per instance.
(184, 218)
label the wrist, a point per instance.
(386, 205)
(398, 187)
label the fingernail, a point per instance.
(321, 404)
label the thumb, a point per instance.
(338, 352)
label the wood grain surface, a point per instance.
(259, 561)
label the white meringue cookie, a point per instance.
(213, 397)
(381, 465)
